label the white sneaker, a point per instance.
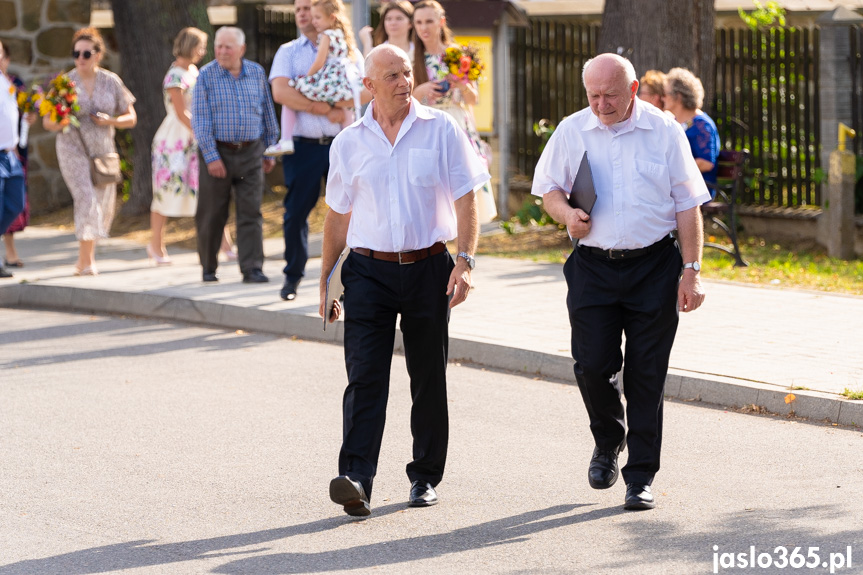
(280, 148)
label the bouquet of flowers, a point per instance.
(60, 102)
(463, 63)
(28, 102)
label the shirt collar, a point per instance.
(416, 112)
(225, 72)
(637, 119)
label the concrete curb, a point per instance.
(713, 389)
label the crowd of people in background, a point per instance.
(317, 81)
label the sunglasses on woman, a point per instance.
(87, 54)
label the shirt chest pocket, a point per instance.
(424, 168)
(652, 184)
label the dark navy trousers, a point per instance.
(304, 170)
(636, 298)
(12, 191)
(376, 292)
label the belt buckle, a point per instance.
(401, 263)
(611, 254)
(325, 140)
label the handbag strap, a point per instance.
(83, 143)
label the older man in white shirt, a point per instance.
(11, 172)
(624, 277)
(400, 185)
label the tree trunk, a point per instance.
(663, 34)
(145, 31)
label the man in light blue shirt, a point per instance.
(305, 169)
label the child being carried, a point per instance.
(332, 78)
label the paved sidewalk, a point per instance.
(746, 345)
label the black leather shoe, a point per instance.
(210, 276)
(350, 494)
(255, 276)
(422, 494)
(4, 273)
(289, 290)
(603, 470)
(638, 497)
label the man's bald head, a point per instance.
(611, 84)
(610, 64)
(385, 53)
(389, 78)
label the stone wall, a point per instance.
(39, 36)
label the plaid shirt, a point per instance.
(229, 109)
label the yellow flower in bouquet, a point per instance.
(463, 63)
(29, 100)
(60, 102)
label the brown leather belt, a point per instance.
(627, 254)
(403, 258)
(236, 145)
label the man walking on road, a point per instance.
(625, 275)
(400, 185)
(316, 126)
(234, 121)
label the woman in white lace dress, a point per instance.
(106, 104)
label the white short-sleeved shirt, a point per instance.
(293, 60)
(8, 115)
(401, 196)
(642, 168)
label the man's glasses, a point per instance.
(87, 54)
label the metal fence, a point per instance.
(545, 80)
(767, 102)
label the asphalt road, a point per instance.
(132, 446)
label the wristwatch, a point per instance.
(693, 266)
(471, 263)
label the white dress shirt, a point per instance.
(401, 196)
(8, 115)
(643, 171)
(293, 60)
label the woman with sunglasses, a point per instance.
(105, 104)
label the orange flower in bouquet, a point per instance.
(463, 63)
(60, 102)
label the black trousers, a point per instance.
(246, 180)
(375, 292)
(638, 298)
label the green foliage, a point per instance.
(125, 147)
(531, 212)
(852, 393)
(764, 16)
(544, 129)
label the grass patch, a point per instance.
(852, 394)
(798, 265)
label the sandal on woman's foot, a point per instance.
(15, 264)
(88, 271)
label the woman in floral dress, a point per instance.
(175, 152)
(105, 104)
(432, 38)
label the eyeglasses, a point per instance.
(86, 54)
